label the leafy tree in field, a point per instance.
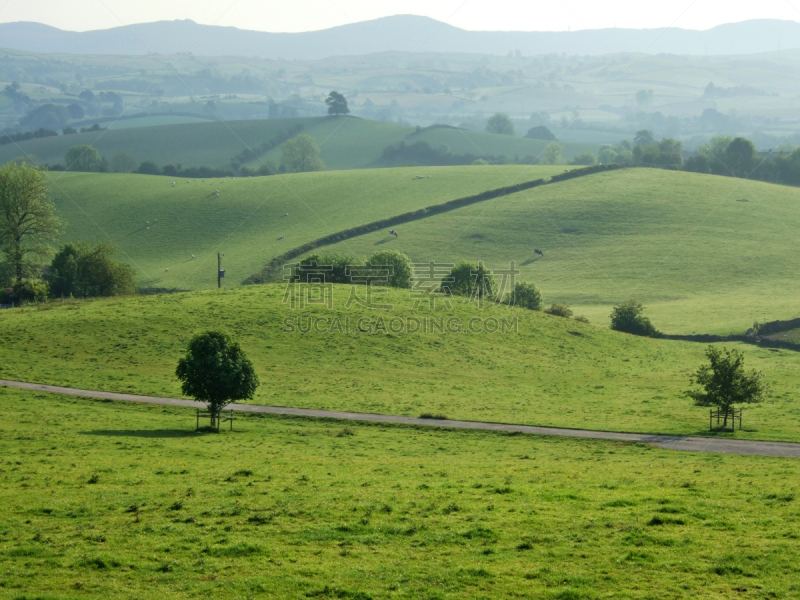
(741, 157)
(725, 382)
(80, 270)
(123, 163)
(643, 137)
(400, 263)
(540, 132)
(301, 154)
(665, 154)
(525, 295)
(217, 372)
(27, 217)
(83, 158)
(86, 95)
(148, 167)
(337, 104)
(48, 116)
(500, 123)
(584, 158)
(553, 154)
(607, 155)
(628, 317)
(475, 281)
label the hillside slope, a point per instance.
(550, 371)
(707, 254)
(345, 143)
(157, 227)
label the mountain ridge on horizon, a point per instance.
(404, 33)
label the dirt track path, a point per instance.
(670, 442)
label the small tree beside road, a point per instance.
(726, 383)
(217, 372)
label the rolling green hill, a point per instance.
(346, 143)
(247, 221)
(706, 254)
(551, 371)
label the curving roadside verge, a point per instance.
(273, 268)
(667, 442)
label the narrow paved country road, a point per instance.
(669, 442)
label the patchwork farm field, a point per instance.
(552, 371)
(157, 227)
(706, 254)
(118, 501)
(345, 143)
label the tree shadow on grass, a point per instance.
(144, 433)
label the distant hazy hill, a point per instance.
(405, 33)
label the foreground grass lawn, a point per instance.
(553, 371)
(124, 501)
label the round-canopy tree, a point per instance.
(301, 154)
(726, 383)
(628, 318)
(83, 158)
(337, 104)
(217, 372)
(500, 123)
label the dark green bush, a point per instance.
(559, 310)
(30, 291)
(82, 271)
(525, 295)
(628, 318)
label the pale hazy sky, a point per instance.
(306, 15)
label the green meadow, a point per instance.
(345, 143)
(102, 499)
(706, 254)
(250, 216)
(545, 370)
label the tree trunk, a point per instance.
(17, 260)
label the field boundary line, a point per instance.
(276, 264)
(665, 441)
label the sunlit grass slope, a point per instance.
(553, 371)
(249, 217)
(299, 508)
(707, 254)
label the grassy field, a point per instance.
(120, 501)
(552, 371)
(462, 141)
(346, 143)
(246, 221)
(706, 254)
